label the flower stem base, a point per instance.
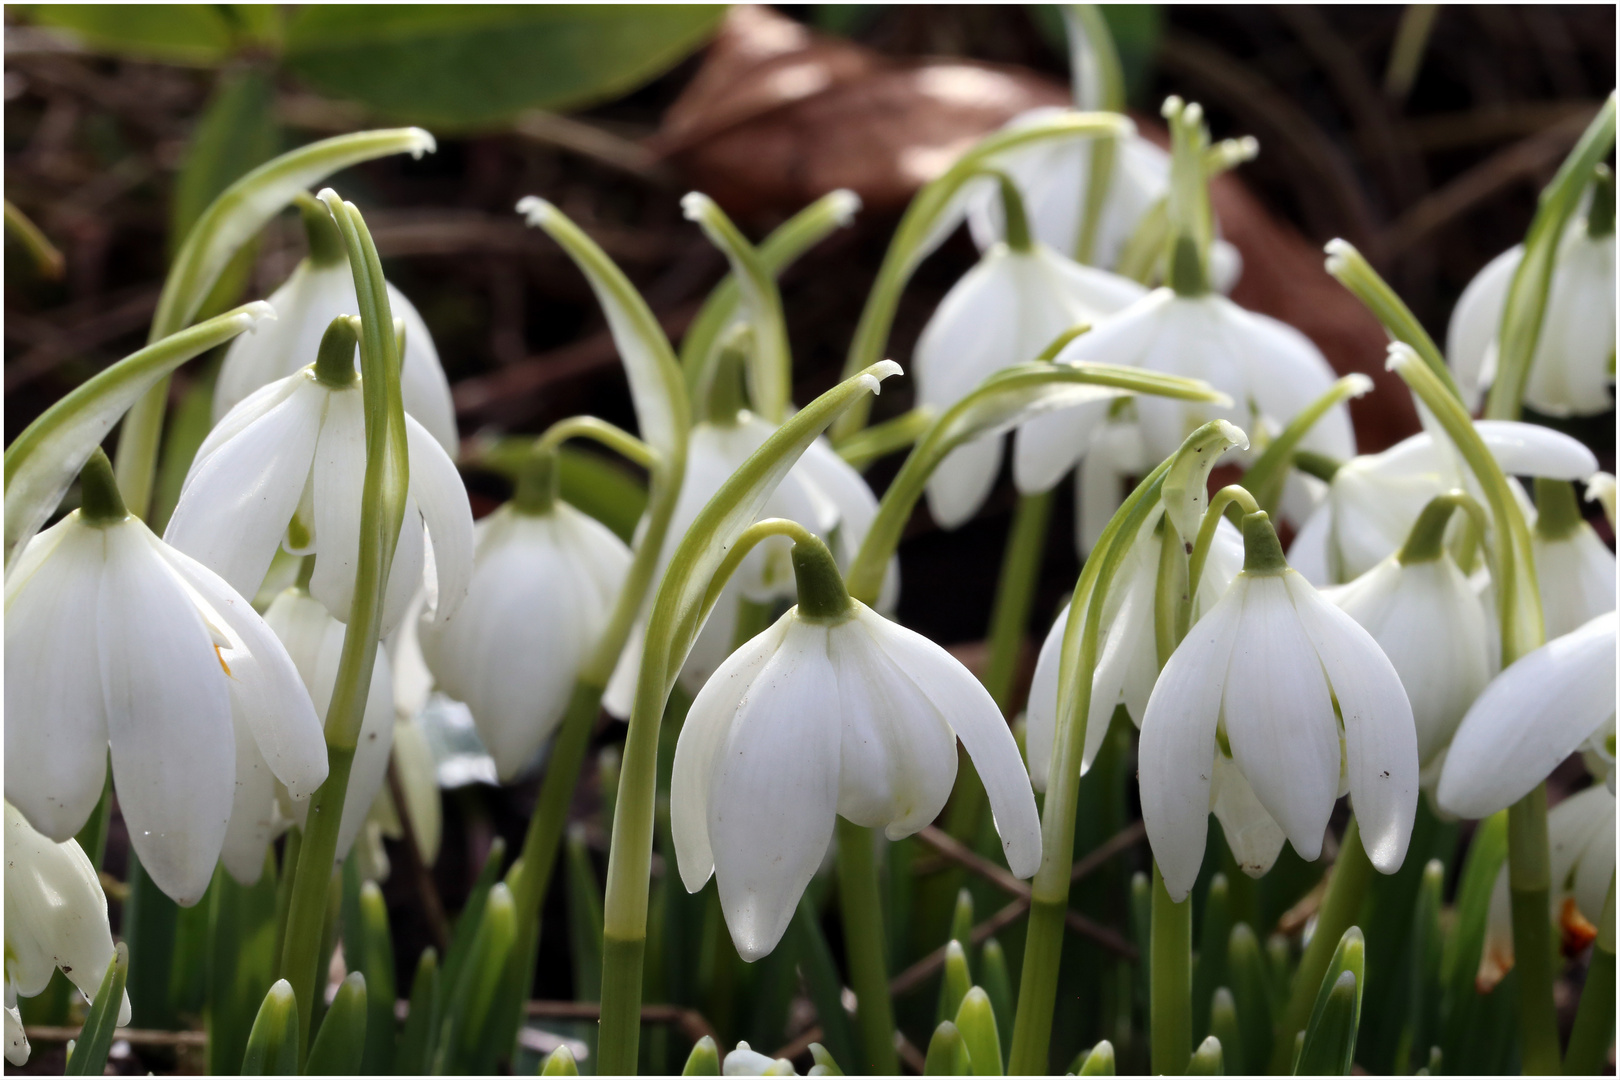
(1529, 881)
(1170, 982)
(619, 1038)
(1043, 951)
(862, 907)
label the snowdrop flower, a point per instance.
(832, 711)
(1004, 311)
(1423, 613)
(286, 467)
(56, 917)
(1573, 366)
(1542, 708)
(544, 582)
(1249, 695)
(1374, 500)
(1127, 659)
(1580, 855)
(115, 638)
(1574, 567)
(320, 289)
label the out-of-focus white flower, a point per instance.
(1542, 708)
(1580, 855)
(1270, 371)
(1573, 367)
(746, 1061)
(543, 587)
(1127, 660)
(831, 711)
(1574, 567)
(1374, 500)
(306, 303)
(1255, 681)
(1004, 311)
(314, 640)
(1600, 489)
(113, 637)
(286, 467)
(56, 917)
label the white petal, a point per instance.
(1040, 714)
(1048, 445)
(1308, 554)
(442, 498)
(1531, 717)
(897, 753)
(967, 706)
(238, 501)
(962, 482)
(304, 306)
(1253, 836)
(708, 724)
(774, 790)
(1178, 744)
(168, 717)
(409, 572)
(56, 720)
(254, 815)
(1279, 717)
(17, 1049)
(422, 383)
(266, 691)
(1119, 453)
(1533, 450)
(1475, 321)
(1380, 738)
(1576, 577)
(230, 423)
(1286, 372)
(338, 477)
(1580, 849)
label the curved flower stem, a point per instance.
(1265, 477)
(1347, 887)
(1170, 982)
(1232, 493)
(1353, 271)
(1427, 539)
(1593, 1033)
(1098, 82)
(861, 905)
(382, 512)
(609, 435)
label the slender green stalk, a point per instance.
(1353, 271)
(1170, 981)
(881, 440)
(1015, 590)
(609, 435)
(1227, 496)
(1265, 477)
(1098, 82)
(1529, 888)
(1593, 1033)
(861, 905)
(1347, 887)
(47, 259)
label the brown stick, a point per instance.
(48, 1033)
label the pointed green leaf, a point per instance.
(584, 918)
(704, 1060)
(955, 982)
(241, 961)
(825, 1064)
(472, 916)
(1100, 1060)
(379, 971)
(340, 1043)
(824, 983)
(416, 1043)
(1224, 1026)
(993, 976)
(96, 1037)
(272, 1046)
(1207, 1060)
(560, 1062)
(976, 1020)
(1211, 969)
(947, 1053)
(1330, 1037)
(1251, 996)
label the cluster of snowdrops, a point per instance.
(1432, 631)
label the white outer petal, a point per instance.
(1471, 334)
(1253, 836)
(56, 720)
(1576, 576)
(1177, 751)
(1531, 717)
(1380, 738)
(422, 383)
(1533, 450)
(967, 706)
(337, 482)
(961, 483)
(442, 500)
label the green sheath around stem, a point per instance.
(862, 907)
(1170, 981)
(1529, 883)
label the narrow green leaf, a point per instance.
(416, 1045)
(704, 1060)
(1252, 998)
(1225, 1027)
(96, 1037)
(340, 1042)
(962, 919)
(379, 971)
(976, 1020)
(148, 927)
(197, 34)
(1330, 1037)
(824, 983)
(560, 1062)
(1211, 969)
(1466, 1012)
(993, 976)
(956, 981)
(825, 1063)
(584, 918)
(1100, 1061)
(947, 1053)
(472, 999)
(272, 1046)
(472, 916)
(1207, 1060)
(241, 961)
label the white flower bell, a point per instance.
(1580, 858)
(1007, 309)
(832, 711)
(1573, 366)
(1127, 663)
(56, 917)
(1545, 706)
(1250, 695)
(287, 466)
(1374, 500)
(113, 637)
(1425, 616)
(544, 583)
(320, 289)
(1574, 567)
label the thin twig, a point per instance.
(691, 1022)
(50, 1033)
(919, 972)
(432, 907)
(1126, 838)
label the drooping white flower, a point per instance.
(543, 586)
(1127, 661)
(1374, 500)
(1270, 371)
(1573, 367)
(115, 638)
(1255, 681)
(306, 303)
(1537, 712)
(1426, 618)
(56, 917)
(832, 711)
(286, 467)
(1575, 570)
(1580, 857)
(1004, 311)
